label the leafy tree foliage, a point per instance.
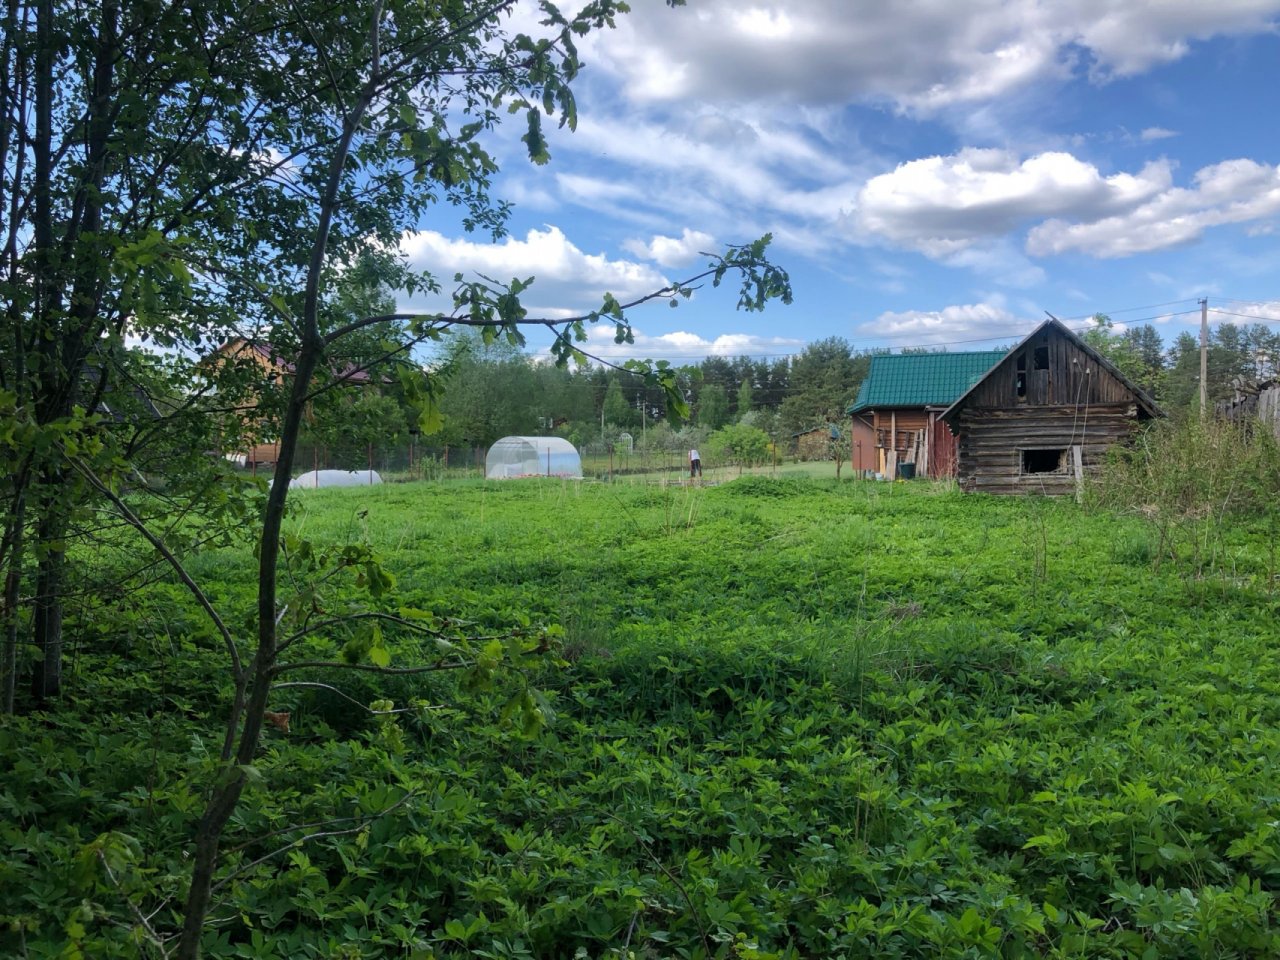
(740, 444)
(825, 377)
(713, 407)
(616, 409)
(743, 405)
(182, 173)
(1120, 349)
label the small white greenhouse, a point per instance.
(315, 479)
(532, 457)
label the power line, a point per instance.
(1149, 306)
(1017, 331)
(1245, 316)
(1252, 300)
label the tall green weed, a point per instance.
(1186, 478)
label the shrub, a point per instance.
(1185, 477)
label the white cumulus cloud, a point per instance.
(943, 205)
(952, 324)
(917, 56)
(673, 251)
(1234, 191)
(567, 279)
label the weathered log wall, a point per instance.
(1269, 408)
(1056, 371)
(992, 441)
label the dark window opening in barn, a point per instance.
(1020, 384)
(1022, 361)
(1042, 461)
(1042, 358)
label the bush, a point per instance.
(1186, 477)
(740, 444)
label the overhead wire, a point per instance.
(1245, 316)
(1018, 331)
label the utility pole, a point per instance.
(1204, 356)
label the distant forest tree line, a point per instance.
(498, 390)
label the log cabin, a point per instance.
(816, 443)
(1043, 418)
(896, 413)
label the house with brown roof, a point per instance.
(273, 369)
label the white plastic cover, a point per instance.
(314, 479)
(532, 457)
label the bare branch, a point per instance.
(702, 929)
(368, 667)
(350, 699)
(311, 836)
(665, 293)
(159, 545)
(370, 615)
(321, 53)
(156, 940)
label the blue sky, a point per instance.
(934, 172)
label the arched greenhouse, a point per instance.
(532, 457)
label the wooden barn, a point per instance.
(1044, 416)
(896, 413)
(816, 443)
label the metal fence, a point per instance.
(414, 460)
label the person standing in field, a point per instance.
(695, 464)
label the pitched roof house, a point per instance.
(275, 369)
(896, 413)
(1044, 416)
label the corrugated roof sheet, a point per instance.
(922, 379)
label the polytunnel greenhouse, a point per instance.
(532, 457)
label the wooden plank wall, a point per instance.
(898, 435)
(862, 445)
(991, 444)
(942, 449)
(1253, 402)
(1269, 408)
(1073, 377)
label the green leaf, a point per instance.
(534, 139)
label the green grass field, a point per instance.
(792, 718)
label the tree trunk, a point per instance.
(223, 802)
(48, 607)
(12, 592)
(46, 681)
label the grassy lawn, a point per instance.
(793, 718)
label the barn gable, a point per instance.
(1052, 366)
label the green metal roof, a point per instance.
(922, 379)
